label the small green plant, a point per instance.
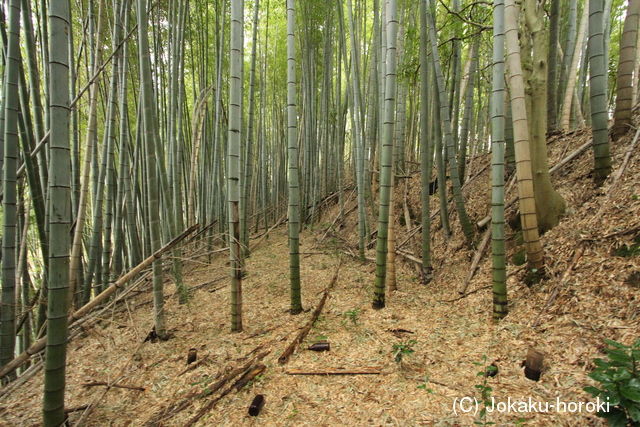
(320, 338)
(403, 349)
(520, 257)
(353, 315)
(485, 390)
(619, 379)
(424, 386)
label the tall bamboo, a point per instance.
(233, 191)
(9, 190)
(59, 215)
(150, 136)
(498, 117)
(386, 154)
(598, 92)
(292, 150)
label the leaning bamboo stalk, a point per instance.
(476, 260)
(39, 345)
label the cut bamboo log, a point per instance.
(366, 370)
(291, 348)
(534, 364)
(476, 261)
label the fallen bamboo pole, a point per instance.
(556, 290)
(336, 371)
(39, 345)
(476, 260)
(106, 384)
(291, 348)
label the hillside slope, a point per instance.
(601, 299)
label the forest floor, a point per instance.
(452, 338)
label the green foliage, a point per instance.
(353, 315)
(485, 390)
(424, 386)
(630, 250)
(403, 349)
(619, 379)
(519, 258)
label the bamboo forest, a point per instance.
(320, 213)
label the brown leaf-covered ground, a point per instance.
(601, 299)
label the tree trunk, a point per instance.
(549, 204)
(528, 218)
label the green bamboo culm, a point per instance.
(12, 105)
(233, 186)
(386, 155)
(294, 190)
(465, 223)
(151, 169)
(498, 118)
(426, 146)
(59, 215)
(598, 92)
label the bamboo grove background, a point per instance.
(125, 122)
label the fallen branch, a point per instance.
(336, 371)
(39, 345)
(266, 233)
(627, 157)
(476, 260)
(104, 383)
(249, 375)
(408, 256)
(291, 348)
(556, 290)
(186, 401)
(75, 409)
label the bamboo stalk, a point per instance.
(336, 371)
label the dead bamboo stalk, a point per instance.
(39, 345)
(249, 375)
(627, 157)
(335, 371)
(184, 403)
(291, 348)
(476, 261)
(556, 290)
(105, 383)
(256, 244)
